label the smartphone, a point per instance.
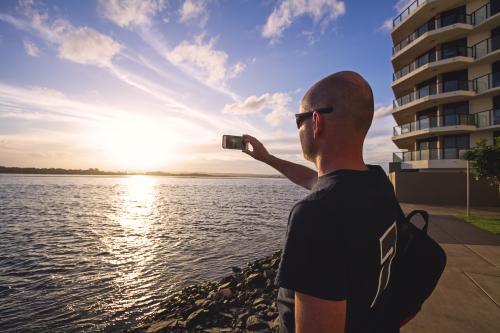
(232, 142)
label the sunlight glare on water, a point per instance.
(94, 254)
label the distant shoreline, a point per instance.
(97, 172)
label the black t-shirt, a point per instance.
(340, 243)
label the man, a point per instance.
(341, 238)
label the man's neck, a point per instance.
(326, 164)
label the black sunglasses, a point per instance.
(300, 117)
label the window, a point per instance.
(455, 145)
(495, 73)
(427, 148)
(454, 49)
(453, 16)
(495, 39)
(455, 113)
(455, 81)
(495, 6)
(427, 118)
(425, 58)
(426, 88)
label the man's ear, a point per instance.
(318, 124)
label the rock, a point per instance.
(255, 323)
(256, 280)
(200, 303)
(196, 317)
(236, 269)
(275, 324)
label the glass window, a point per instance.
(455, 81)
(453, 16)
(453, 113)
(454, 49)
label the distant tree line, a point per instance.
(96, 171)
(57, 171)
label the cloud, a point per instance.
(278, 103)
(382, 111)
(30, 48)
(127, 13)
(82, 45)
(87, 46)
(193, 9)
(399, 6)
(202, 61)
(386, 26)
(322, 11)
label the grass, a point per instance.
(488, 223)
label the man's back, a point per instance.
(340, 244)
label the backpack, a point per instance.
(415, 272)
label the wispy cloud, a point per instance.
(87, 46)
(202, 60)
(193, 10)
(322, 11)
(277, 103)
(128, 13)
(31, 48)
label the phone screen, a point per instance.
(232, 142)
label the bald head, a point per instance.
(349, 95)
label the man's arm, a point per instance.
(319, 315)
(297, 173)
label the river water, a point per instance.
(95, 253)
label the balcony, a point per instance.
(431, 95)
(482, 18)
(487, 119)
(430, 64)
(486, 50)
(417, 13)
(407, 12)
(487, 84)
(442, 158)
(427, 125)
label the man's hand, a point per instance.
(259, 152)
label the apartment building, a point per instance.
(446, 83)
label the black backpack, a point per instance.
(417, 267)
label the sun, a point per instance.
(137, 144)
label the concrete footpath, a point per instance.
(467, 298)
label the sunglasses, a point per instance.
(300, 117)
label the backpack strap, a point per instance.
(424, 215)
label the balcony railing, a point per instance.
(482, 13)
(433, 89)
(407, 11)
(433, 56)
(435, 121)
(485, 47)
(488, 118)
(429, 26)
(486, 82)
(429, 154)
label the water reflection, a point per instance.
(129, 243)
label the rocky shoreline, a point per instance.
(244, 301)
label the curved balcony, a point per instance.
(430, 64)
(487, 119)
(483, 18)
(486, 85)
(428, 36)
(431, 95)
(435, 124)
(487, 50)
(438, 158)
(417, 12)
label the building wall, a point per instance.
(442, 188)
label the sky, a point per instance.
(143, 85)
